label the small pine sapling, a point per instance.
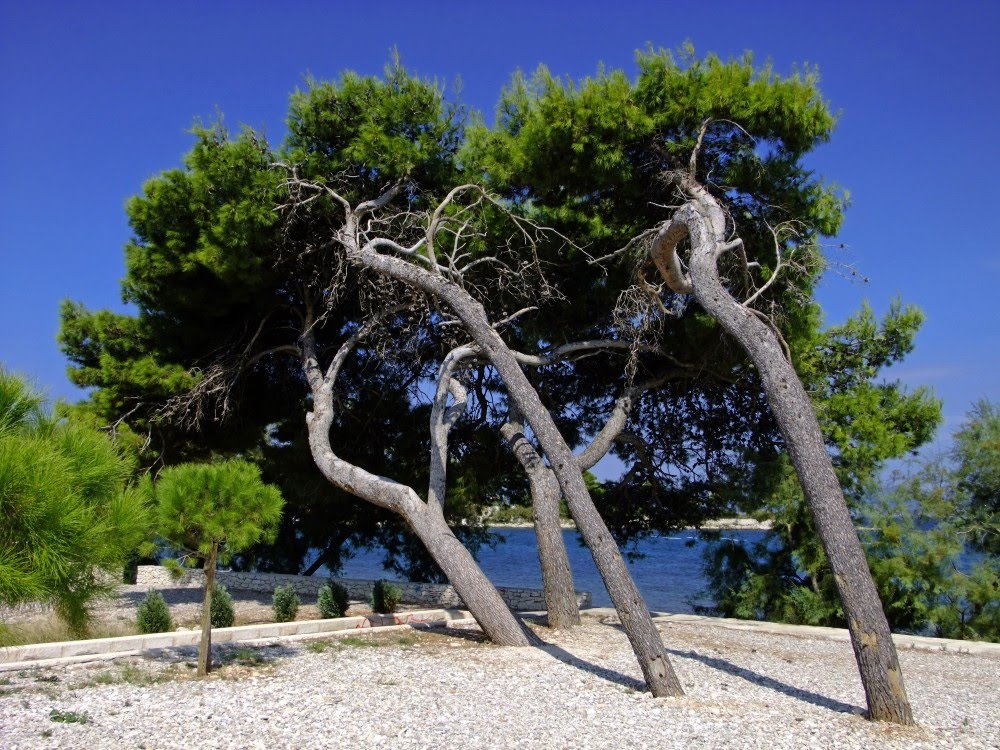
(385, 597)
(286, 604)
(222, 609)
(153, 615)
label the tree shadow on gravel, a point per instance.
(769, 682)
(223, 654)
(604, 673)
(556, 652)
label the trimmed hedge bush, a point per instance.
(332, 600)
(286, 604)
(153, 615)
(385, 597)
(222, 612)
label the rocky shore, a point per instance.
(721, 524)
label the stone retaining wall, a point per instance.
(433, 594)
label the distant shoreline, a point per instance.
(719, 524)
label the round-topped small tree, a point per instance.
(208, 512)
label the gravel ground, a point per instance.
(448, 689)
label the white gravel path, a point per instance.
(447, 689)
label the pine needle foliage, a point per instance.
(223, 505)
(332, 600)
(153, 615)
(207, 513)
(69, 520)
(286, 604)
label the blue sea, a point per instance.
(669, 574)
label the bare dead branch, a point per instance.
(693, 161)
(382, 201)
(514, 316)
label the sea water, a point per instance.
(669, 573)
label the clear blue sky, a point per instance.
(97, 97)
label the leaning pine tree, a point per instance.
(599, 160)
(447, 279)
(703, 222)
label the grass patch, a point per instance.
(105, 678)
(243, 657)
(50, 629)
(318, 647)
(379, 640)
(101, 678)
(135, 675)
(352, 641)
(127, 673)
(69, 717)
(243, 662)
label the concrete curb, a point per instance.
(97, 649)
(903, 642)
(39, 655)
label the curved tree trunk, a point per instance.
(426, 519)
(205, 647)
(557, 578)
(632, 609)
(704, 222)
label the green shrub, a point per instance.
(385, 597)
(223, 613)
(332, 601)
(130, 570)
(286, 604)
(154, 614)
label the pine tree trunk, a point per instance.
(477, 591)
(557, 578)
(632, 610)
(793, 410)
(205, 648)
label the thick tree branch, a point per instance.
(381, 491)
(382, 201)
(616, 422)
(443, 418)
(665, 256)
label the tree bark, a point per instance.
(703, 221)
(476, 590)
(632, 610)
(205, 647)
(557, 578)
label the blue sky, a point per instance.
(95, 98)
